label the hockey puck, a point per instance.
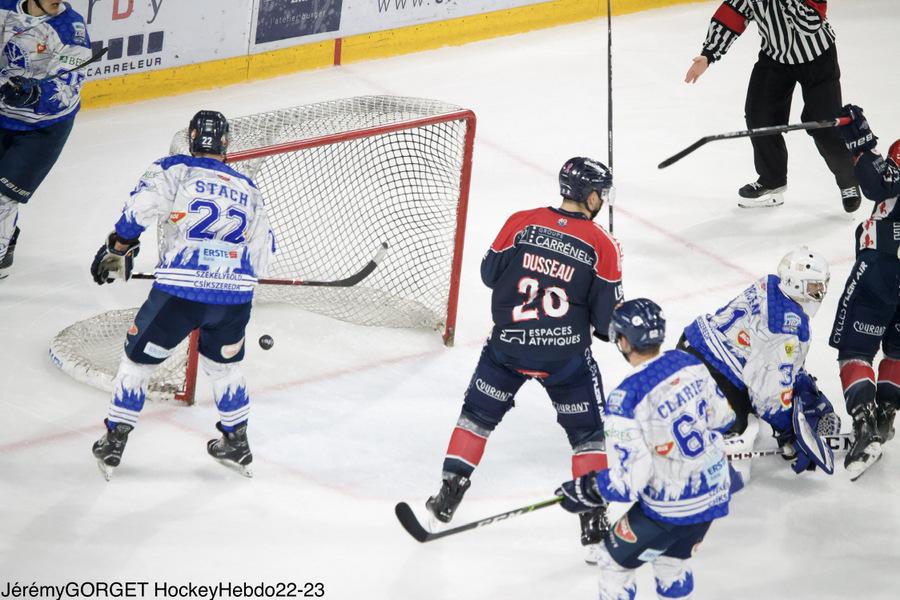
(266, 342)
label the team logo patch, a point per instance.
(743, 338)
(675, 381)
(623, 531)
(786, 397)
(223, 177)
(614, 402)
(176, 216)
(562, 222)
(792, 322)
(789, 349)
(133, 330)
(664, 449)
(231, 350)
(41, 48)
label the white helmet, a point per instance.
(804, 277)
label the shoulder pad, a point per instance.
(785, 315)
(624, 399)
(70, 27)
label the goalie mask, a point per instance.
(580, 176)
(804, 276)
(208, 133)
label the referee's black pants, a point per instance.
(769, 103)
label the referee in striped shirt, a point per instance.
(798, 46)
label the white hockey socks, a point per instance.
(229, 390)
(674, 579)
(9, 212)
(129, 391)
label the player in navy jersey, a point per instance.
(664, 427)
(868, 313)
(555, 275)
(215, 243)
(40, 39)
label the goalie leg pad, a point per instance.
(810, 447)
(129, 392)
(229, 391)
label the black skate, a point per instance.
(756, 195)
(443, 504)
(108, 449)
(851, 198)
(232, 449)
(7, 260)
(884, 418)
(866, 448)
(594, 527)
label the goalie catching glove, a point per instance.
(111, 263)
(581, 494)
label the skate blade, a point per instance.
(592, 554)
(769, 201)
(105, 469)
(873, 453)
(246, 471)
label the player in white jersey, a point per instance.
(41, 40)
(667, 455)
(216, 241)
(755, 347)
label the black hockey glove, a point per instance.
(581, 494)
(21, 92)
(111, 264)
(858, 137)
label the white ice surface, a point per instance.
(349, 420)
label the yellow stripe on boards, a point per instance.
(207, 75)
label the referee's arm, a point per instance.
(728, 22)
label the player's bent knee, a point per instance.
(674, 580)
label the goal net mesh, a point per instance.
(340, 178)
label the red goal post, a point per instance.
(341, 179)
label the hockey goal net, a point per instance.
(345, 182)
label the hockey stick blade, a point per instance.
(760, 131)
(412, 526)
(346, 282)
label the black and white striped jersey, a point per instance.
(792, 31)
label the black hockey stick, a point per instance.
(838, 443)
(609, 98)
(753, 133)
(94, 58)
(412, 526)
(346, 282)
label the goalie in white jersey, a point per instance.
(755, 347)
(663, 428)
(215, 242)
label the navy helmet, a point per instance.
(208, 133)
(580, 176)
(640, 321)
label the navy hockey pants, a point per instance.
(165, 320)
(26, 157)
(576, 392)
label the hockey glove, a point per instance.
(581, 494)
(858, 137)
(111, 264)
(21, 92)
